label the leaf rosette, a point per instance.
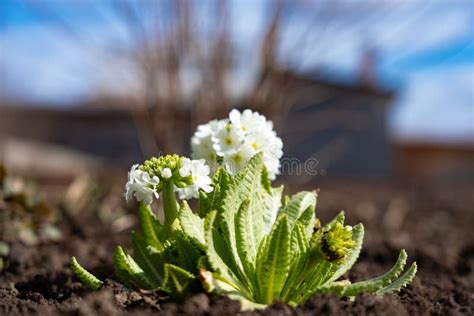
(246, 240)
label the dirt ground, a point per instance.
(436, 229)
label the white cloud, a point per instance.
(46, 64)
(437, 104)
(396, 28)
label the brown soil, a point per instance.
(435, 229)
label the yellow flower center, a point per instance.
(238, 158)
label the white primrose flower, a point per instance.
(141, 186)
(202, 146)
(272, 165)
(236, 161)
(199, 172)
(227, 139)
(235, 140)
(266, 139)
(185, 169)
(247, 121)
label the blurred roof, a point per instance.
(347, 84)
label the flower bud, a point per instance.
(166, 173)
(337, 241)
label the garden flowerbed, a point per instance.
(435, 229)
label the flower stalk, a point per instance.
(170, 207)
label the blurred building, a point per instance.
(341, 125)
(107, 133)
(448, 165)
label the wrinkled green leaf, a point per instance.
(85, 276)
(176, 279)
(245, 186)
(299, 246)
(218, 253)
(212, 201)
(130, 272)
(247, 245)
(373, 285)
(148, 258)
(149, 226)
(301, 207)
(274, 259)
(193, 225)
(401, 282)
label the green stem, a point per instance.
(170, 206)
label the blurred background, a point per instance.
(374, 101)
(380, 93)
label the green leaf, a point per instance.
(214, 283)
(148, 258)
(298, 253)
(301, 206)
(149, 226)
(176, 280)
(334, 287)
(401, 282)
(247, 246)
(188, 254)
(217, 253)
(299, 242)
(274, 259)
(244, 186)
(373, 285)
(272, 205)
(85, 276)
(264, 206)
(130, 272)
(265, 180)
(211, 201)
(340, 218)
(223, 178)
(308, 220)
(193, 225)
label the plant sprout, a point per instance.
(245, 241)
(259, 251)
(163, 256)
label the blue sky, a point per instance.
(424, 48)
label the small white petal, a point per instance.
(141, 186)
(155, 180)
(166, 173)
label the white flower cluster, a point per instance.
(191, 176)
(198, 170)
(233, 141)
(141, 186)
